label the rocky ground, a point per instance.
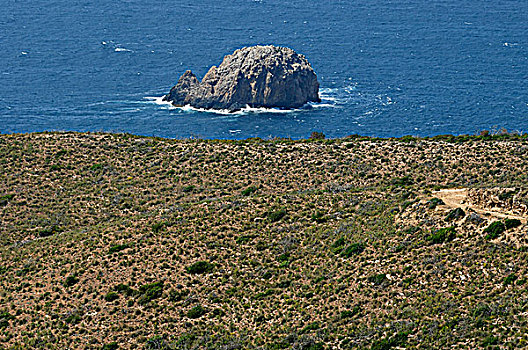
(119, 242)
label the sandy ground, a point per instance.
(456, 198)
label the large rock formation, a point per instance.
(257, 76)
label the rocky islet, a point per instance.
(257, 76)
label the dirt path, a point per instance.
(456, 198)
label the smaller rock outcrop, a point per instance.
(257, 76)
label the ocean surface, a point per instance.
(386, 68)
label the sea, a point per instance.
(386, 68)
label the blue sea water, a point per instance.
(386, 68)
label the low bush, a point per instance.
(5, 199)
(509, 279)
(455, 214)
(397, 340)
(275, 216)
(352, 249)
(512, 223)
(111, 296)
(434, 202)
(110, 346)
(442, 235)
(196, 312)
(117, 248)
(494, 230)
(200, 267)
(378, 279)
(150, 292)
(49, 231)
(125, 289)
(249, 191)
(5, 317)
(71, 280)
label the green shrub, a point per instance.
(431, 204)
(150, 292)
(73, 318)
(455, 214)
(340, 242)
(319, 217)
(402, 181)
(61, 153)
(117, 248)
(175, 296)
(157, 227)
(352, 249)
(509, 279)
(378, 279)
(110, 346)
(244, 239)
(5, 199)
(506, 195)
(111, 296)
(310, 327)
(157, 342)
(494, 230)
(249, 191)
(196, 312)
(123, 288)
(275, 216)
(71, 280)
(200, 267)
(512, 223)
(398, 340)
(264, 294)
(5, 317)
(350, 313)
(442, 235)
(490, 340)
(48, 231)
(188, 188)
(97, 166)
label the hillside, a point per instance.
(114, 241)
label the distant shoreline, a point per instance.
(484, 135)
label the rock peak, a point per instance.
(257, 76)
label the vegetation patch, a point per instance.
(196, 312)
(378, 279)
(71, 280)
(494, 230)
(442, 235)
(455, 214)
(111, 296)
(388, 343)
(512, 223)
(276, 215)
(249, 191)
(49, 231)
(117, 248)
(5, 317)
(6, 198)
(200, 267)
(434, 202)
(149, 292)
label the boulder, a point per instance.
(257, 76)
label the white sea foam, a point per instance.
(244, 111)
(324, 105)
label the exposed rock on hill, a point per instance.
(257, 76)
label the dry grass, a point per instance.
(299, 244)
